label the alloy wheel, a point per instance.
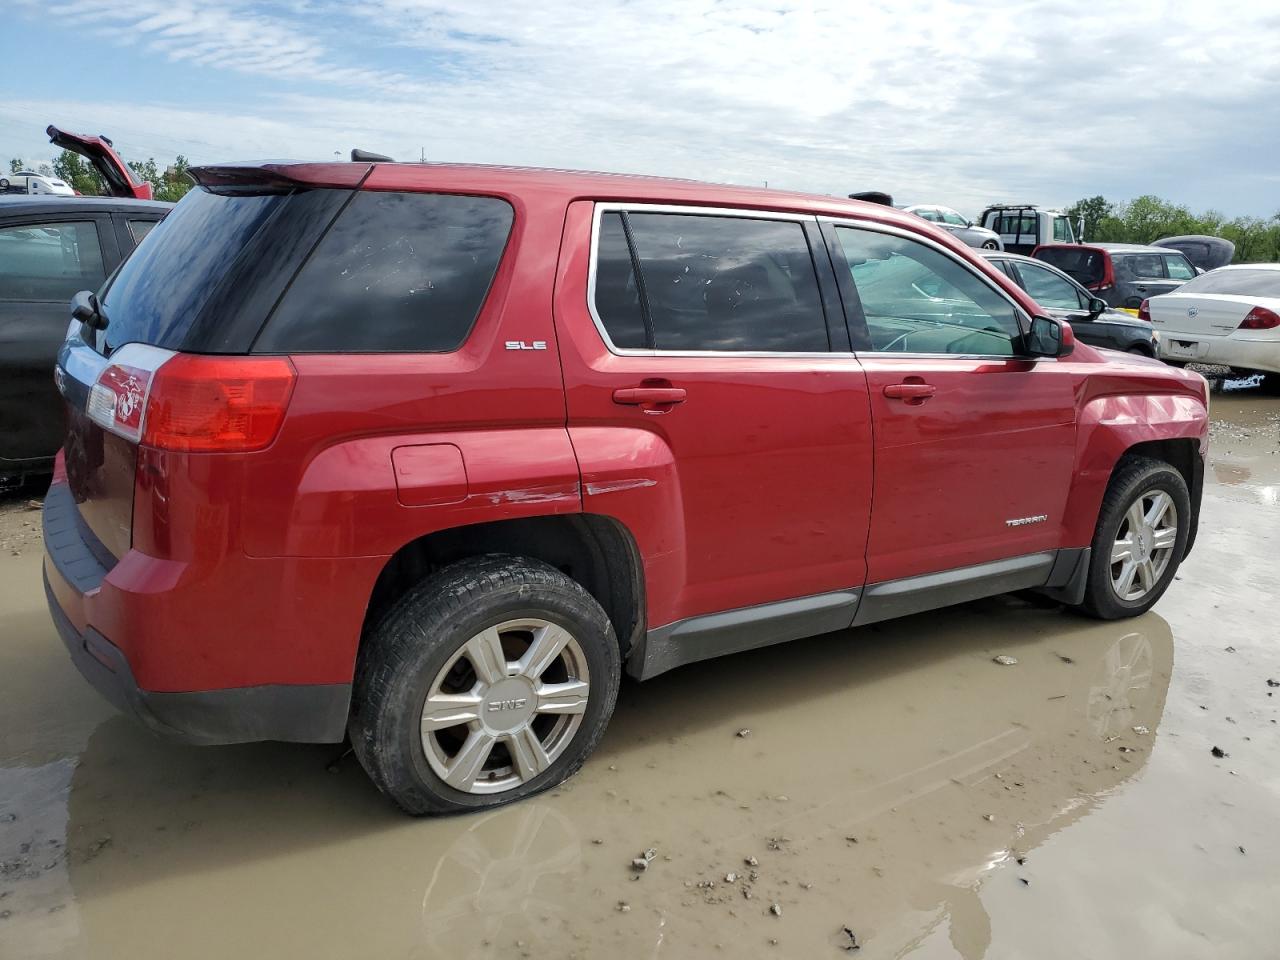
(1144, 545)
(505, 706)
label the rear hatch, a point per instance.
(201, 283)
(115, 173)
(1085, 265)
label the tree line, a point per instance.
(167, 183)
(1149, 218)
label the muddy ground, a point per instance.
(896, 786)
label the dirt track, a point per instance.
(895, 781)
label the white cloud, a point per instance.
(961, 102)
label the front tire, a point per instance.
(1140, 539)
(990, 245)
(489, 681)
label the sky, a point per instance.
(958, 102)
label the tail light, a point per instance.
(1260, 318)
(192, 403)
(1108, 278)
(216, 404)
(1144, 311)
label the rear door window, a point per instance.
(397, 272)
(916, 299)
(49, 261)
(711, 283)
(1139, 266)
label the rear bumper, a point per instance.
(1262, 353)
(216, 655)
(315, 713)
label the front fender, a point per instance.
(1108, 427)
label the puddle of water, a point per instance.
(892, 780)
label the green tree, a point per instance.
(176, 182)
(79, 173)
(1092, 210)
(16, 164)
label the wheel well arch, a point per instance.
(598, 552)
(1183, 454)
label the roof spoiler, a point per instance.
(368, 156)
(873, 196)
(279, 175)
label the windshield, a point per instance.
(158, 292)
(1244, 283)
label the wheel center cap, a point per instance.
(507, 705)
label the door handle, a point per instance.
(914, 393)
(640, 396)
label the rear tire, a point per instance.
(491, 680)
(990, 245)
(1130, 567)
(1270, 384)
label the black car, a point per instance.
(50, 248)
(1091, 319)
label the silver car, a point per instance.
(964, 230)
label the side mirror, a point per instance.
(1097, 306)
(1049, 338)
(85, 308)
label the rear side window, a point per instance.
(49, 261)
(163, 285)
(397, 272)
(140, 228)
(716, 283)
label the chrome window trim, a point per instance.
(740, 213)
(1024, 320)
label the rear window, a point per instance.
(398, 272)
(1242, 283)
(157, 294)
(1080, 264)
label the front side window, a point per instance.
(1048, 289)
(1178, 267)
(917, 299)
(49, 261)
(1062, 230)
(708, 283)
(397, 273)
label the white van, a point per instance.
(24, 181)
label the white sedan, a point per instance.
(1229, 316)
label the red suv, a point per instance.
(427, 454)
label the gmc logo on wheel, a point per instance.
(499, 705)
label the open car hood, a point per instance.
(120, 180)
